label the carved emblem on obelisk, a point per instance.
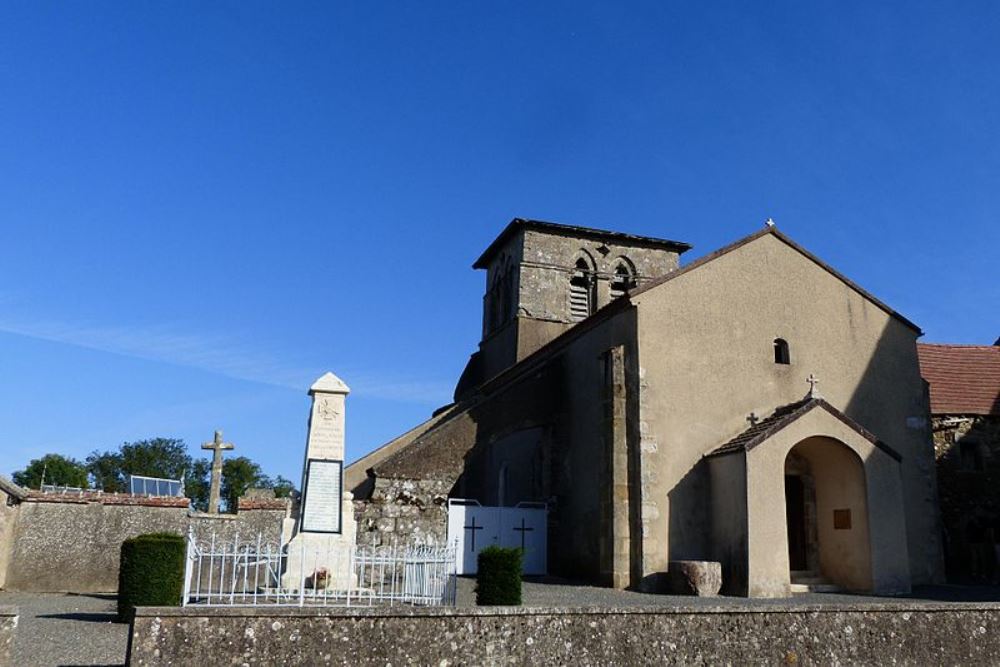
(327, 409)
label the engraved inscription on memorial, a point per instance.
(322, 504)
(326, 434)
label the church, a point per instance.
(753, 407)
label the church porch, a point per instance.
(807, 494)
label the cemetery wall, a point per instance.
(8, 624)
(72, 543)
(908, 633)
(8, 520)
(404, 511)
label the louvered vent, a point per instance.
(579, 297)
(621, 282)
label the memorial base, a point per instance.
(322, 561)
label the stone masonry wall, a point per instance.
(903, 633)
(403, 511)
(8, 519)
(967, 454)
(72, 544)
(8, 625)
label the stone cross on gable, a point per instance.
(217, 446)
(813, 381)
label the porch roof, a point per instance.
(785, 415)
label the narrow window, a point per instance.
(781, 355)
(621, 281)
(581, 292)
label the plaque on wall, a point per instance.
(322, 500)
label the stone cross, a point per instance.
(216, 446)
(813, 381)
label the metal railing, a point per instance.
(257, 572)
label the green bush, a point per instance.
(499, 578)
(151, 572)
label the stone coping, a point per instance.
(893, 606)
(8, 610)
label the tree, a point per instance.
(158, 457)
(197, 482)
(282, 487)
(238, 475)
(58, 470)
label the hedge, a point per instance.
(499, 578)
(150, 573)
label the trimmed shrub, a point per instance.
(150, 573)
(499, 578)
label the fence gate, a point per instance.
(474, 527)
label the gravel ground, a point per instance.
(60, 629)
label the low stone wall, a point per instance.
(73, 543)
(403, 511)
(903, 633)
(8, 525)
(8, 624)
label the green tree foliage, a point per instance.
(238, 475)
(158, 457)
(283, 488)
(196, 483)
(58, 470)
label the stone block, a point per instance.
(694, 577)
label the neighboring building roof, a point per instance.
(963, 379)
(785, 415)
(573, 230)
(773, 231)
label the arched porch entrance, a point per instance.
(826, 513)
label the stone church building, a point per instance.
(668, 412)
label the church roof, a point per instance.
(437, 454)
(573, 230)
(963, 379)
(785, 415)
(773, 231)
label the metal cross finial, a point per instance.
(813, 381)
(753, 419)
(769, 222)
(217, 445)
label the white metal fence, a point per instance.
(253, 573)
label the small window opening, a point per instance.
(781, 355)
(581, 292)
(621, 281)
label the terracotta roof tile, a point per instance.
(785, 415)
(964, 379)
(90, 496)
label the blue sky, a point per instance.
(205, 206)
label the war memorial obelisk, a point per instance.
(320, 538)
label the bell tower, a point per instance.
(543, 277)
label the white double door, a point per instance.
(474, 527)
